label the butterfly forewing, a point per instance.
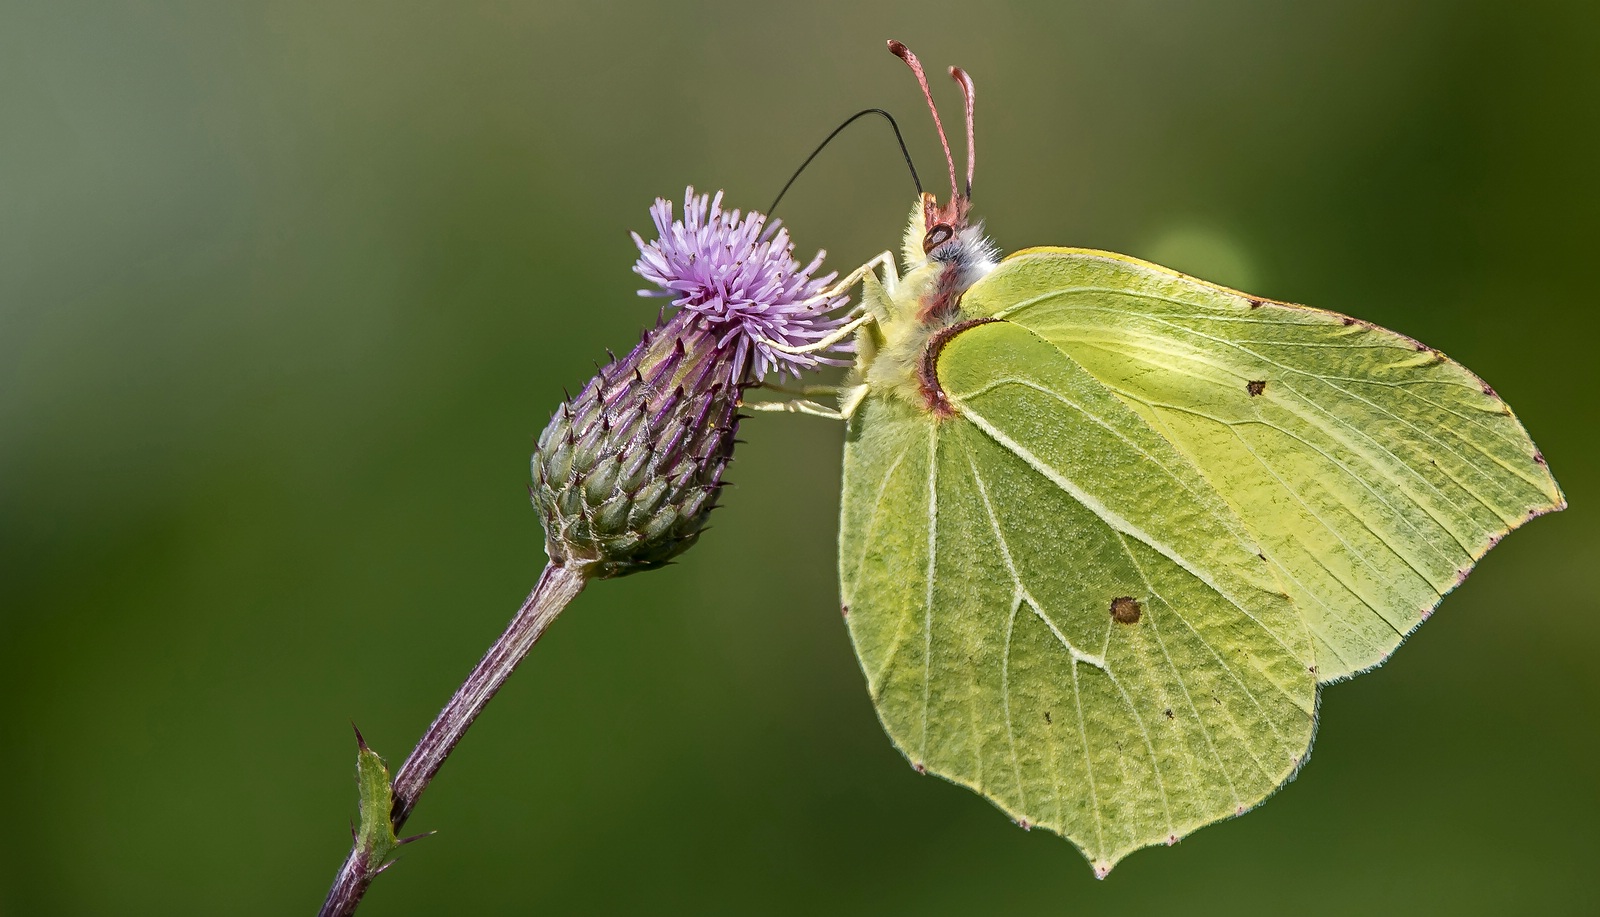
(1053, 608)
(1373, 470)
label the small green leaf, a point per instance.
(375, 837)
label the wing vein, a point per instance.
(933, 559)
(1243, 735)
(1376, 407)
(1114, 520)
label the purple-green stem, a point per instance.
(557, 586)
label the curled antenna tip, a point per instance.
(904, 53)
(968, 93)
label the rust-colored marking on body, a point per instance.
(933, 394)
(941, 302)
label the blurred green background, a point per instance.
(287, 289)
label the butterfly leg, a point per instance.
(842, 332)
(881, 260)
(804, 391)
(884, 259)
(850, 398)
(798, 406)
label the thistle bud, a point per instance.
(628, 471)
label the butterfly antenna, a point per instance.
(967, 92)
(836, 131)
(904, 53)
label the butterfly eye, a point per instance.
(937, 236)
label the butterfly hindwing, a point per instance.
(1373, 470)
(1052, 607)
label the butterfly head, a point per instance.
(942, 233)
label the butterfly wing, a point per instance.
(1053, 608)
(1373, 470)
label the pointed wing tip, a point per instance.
(1556, 496)
(1101, 863)
(1556, 504)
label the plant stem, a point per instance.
(557, 586)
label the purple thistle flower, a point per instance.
(740, 276)
(628, 470)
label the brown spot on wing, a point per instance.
(1125, 610)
